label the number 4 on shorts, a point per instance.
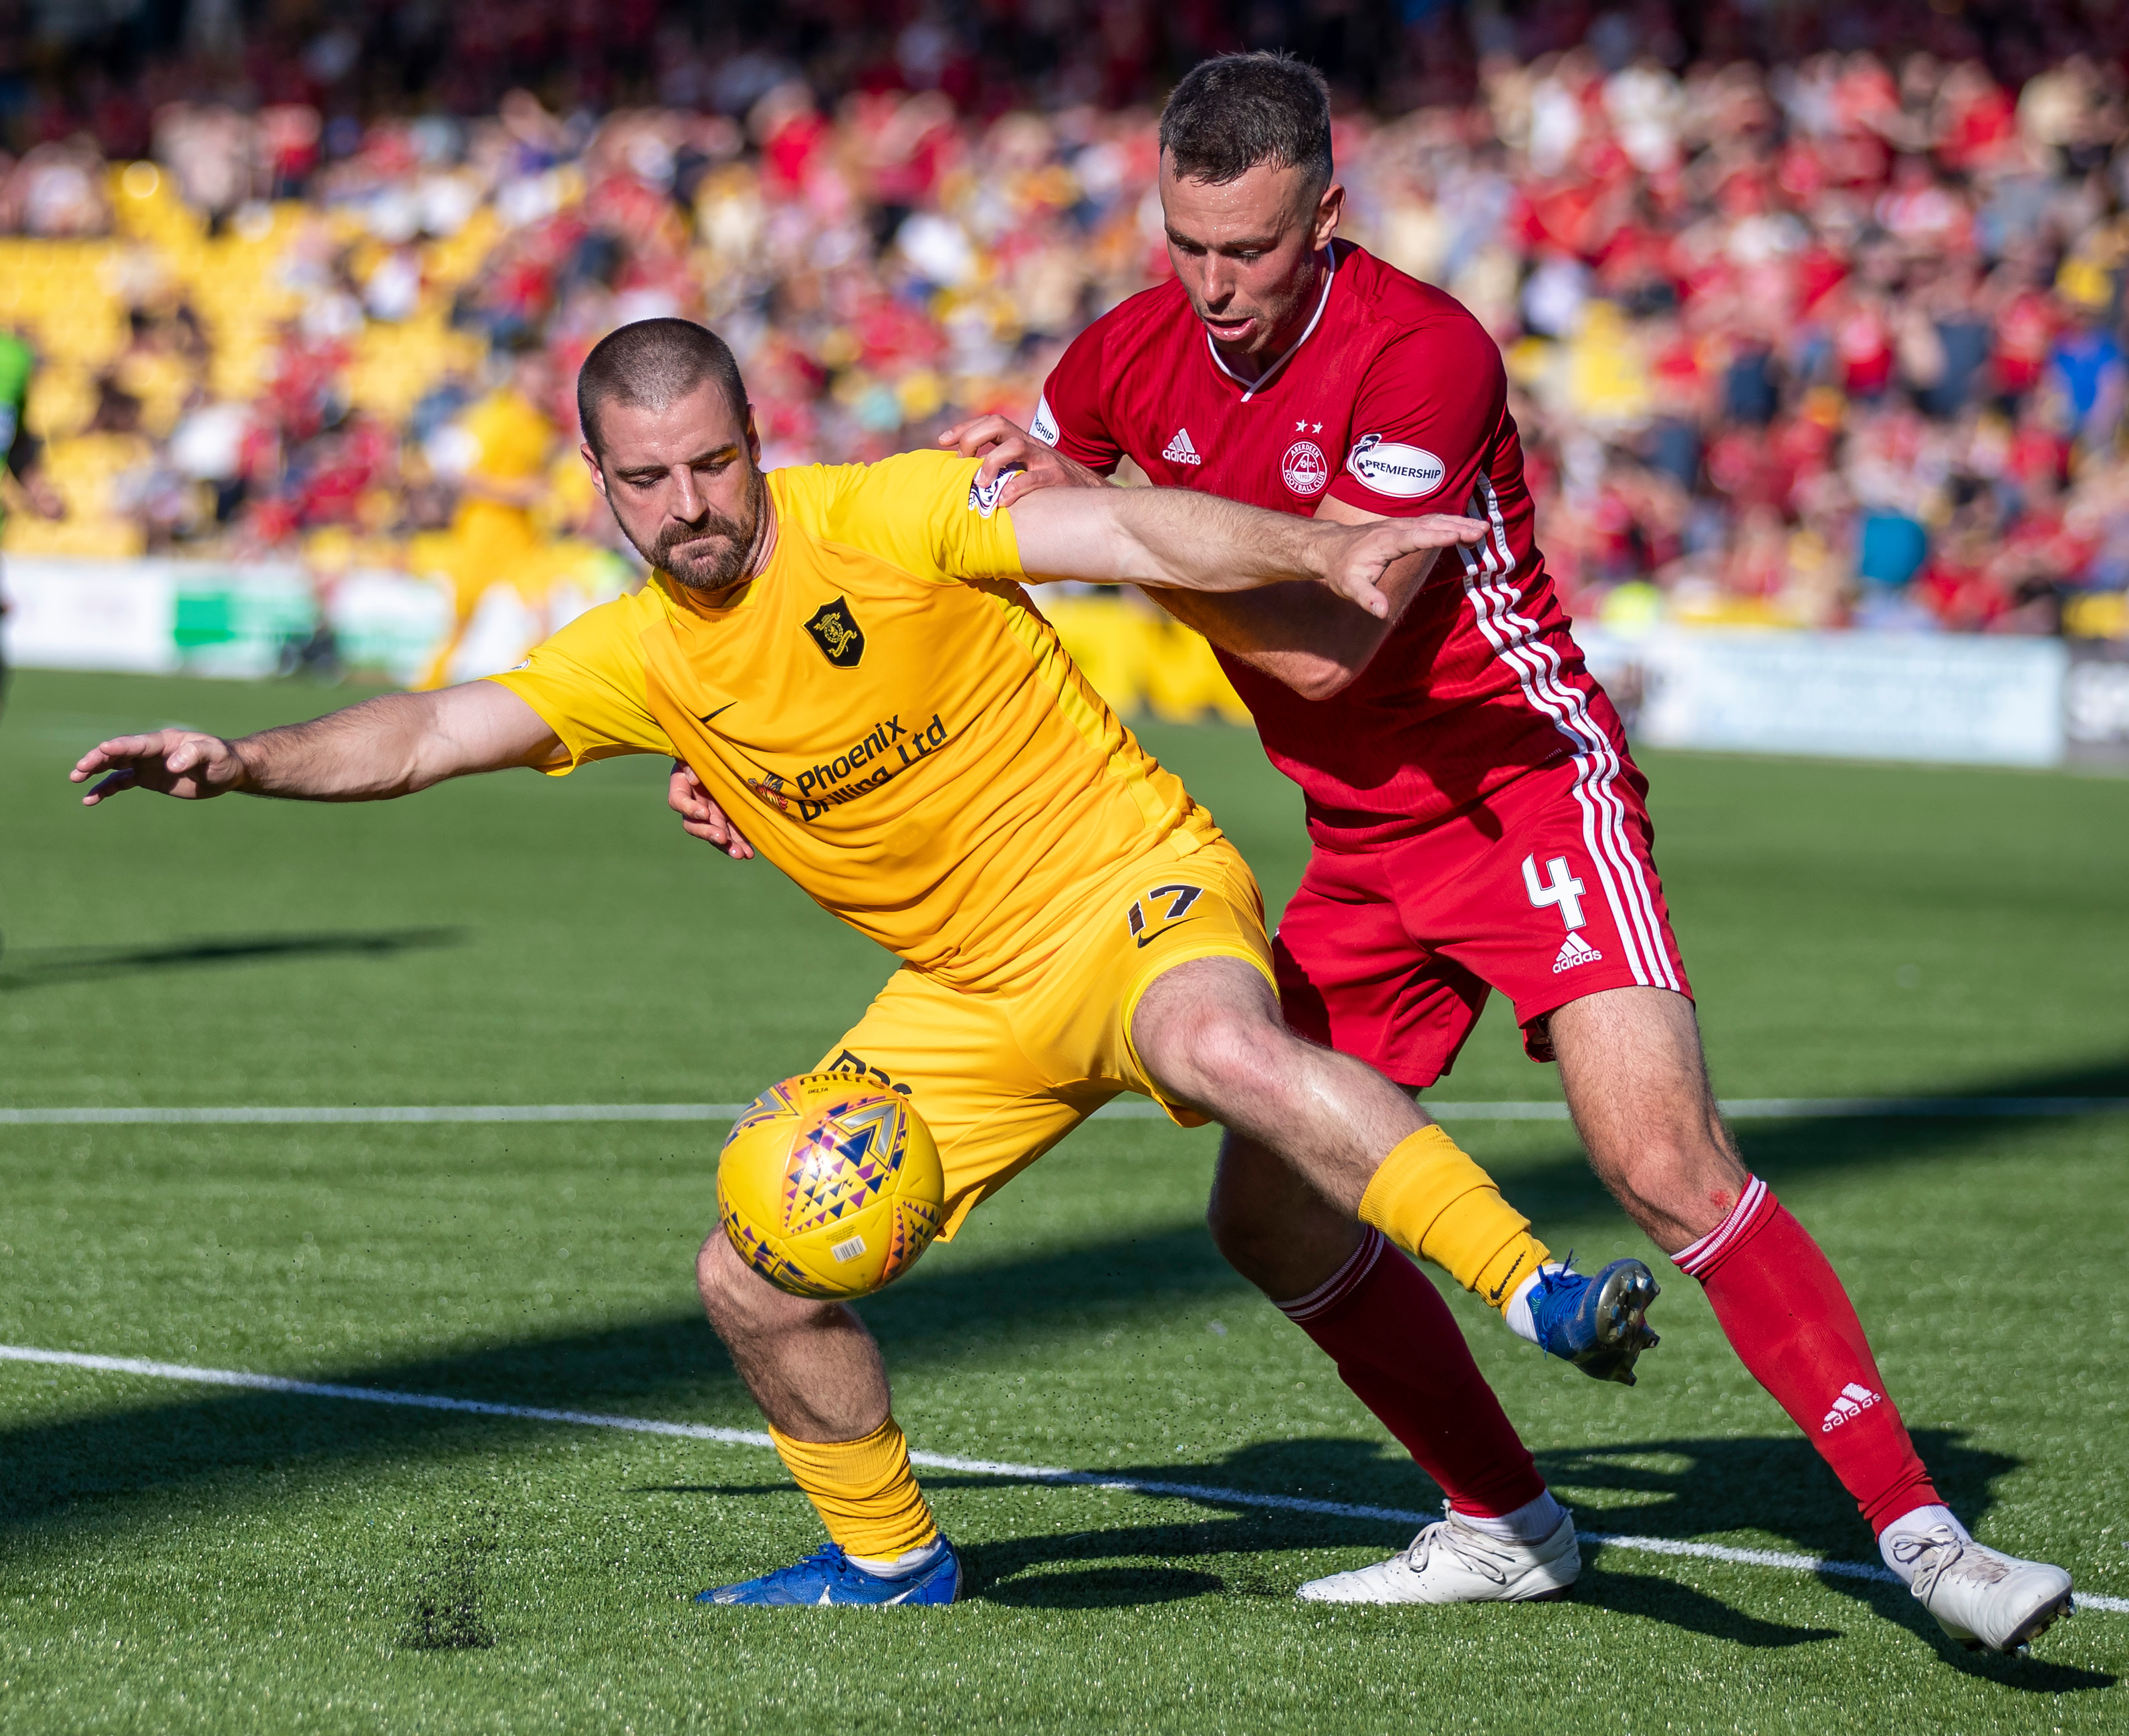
(1563, 889)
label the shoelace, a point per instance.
(1483, 1555)
(1551, 1277)
(1938, 1551)
(829, 1557)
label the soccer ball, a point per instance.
(831, 1187)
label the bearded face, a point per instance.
(716, 549)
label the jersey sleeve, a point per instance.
(924, 513)
(588, 684)
(1069, 414)
(1424, 422)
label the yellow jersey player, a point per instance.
(847, 654)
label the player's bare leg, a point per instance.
(819, 1380)
(1637, 1083)
(1310, 1131)
(812, 1366)
(1209, 1032)
(1396, 1345)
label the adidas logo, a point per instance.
(1576, 951)
(1180, 451)
(1853, 1401)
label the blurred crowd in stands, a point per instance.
(1810, 321)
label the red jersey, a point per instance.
(1393, 400)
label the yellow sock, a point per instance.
(1432, 1200)
(862, 1491)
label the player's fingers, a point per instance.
(111, 752)
(733, 842)
(1011, 449)
(683, 795)
(963, 431)
(971, 437)
(1357, 583)
(1023, 482)
(108, 788)
(1440, 530)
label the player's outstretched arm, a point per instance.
(1295, 633)
(391, 745)
(1177, 540)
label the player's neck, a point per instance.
(764, 538)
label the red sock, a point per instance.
(1792, 1324)
(1399, 1348)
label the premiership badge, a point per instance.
(835, 629)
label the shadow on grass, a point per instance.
(672, 1366)
(2027, 1675)
(36, 967)
(1682, 1486)
(85, 1474)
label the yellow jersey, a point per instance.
(889, 718)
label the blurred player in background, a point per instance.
(1477, 820)
(497, 454)
(19, 475)
(849, 651)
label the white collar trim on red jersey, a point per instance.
(1250, 388)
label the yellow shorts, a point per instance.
(1000, 1078)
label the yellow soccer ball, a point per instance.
(831, 1187)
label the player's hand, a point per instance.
(1002, 445)
(700, 817)
(183, 763)
(1359, 555)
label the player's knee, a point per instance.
(724, 1282)
(1664, 1169)
(1230, 1052)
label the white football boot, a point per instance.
(1449, 1562)
(1980, 1596)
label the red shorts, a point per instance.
(1547, 891)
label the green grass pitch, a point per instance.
(173, 1557)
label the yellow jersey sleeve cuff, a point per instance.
(574, 753)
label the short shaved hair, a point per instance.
(1233, 111)
(652, 363)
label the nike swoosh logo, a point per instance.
(1500, 1289)
(718, 713)
(1147, 940)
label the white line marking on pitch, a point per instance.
(938, 1461)
(1741, 1109)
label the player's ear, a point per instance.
(753, 439)
(592, 464)
(1329, 209)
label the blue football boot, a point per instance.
(830, 1576)
(1600, 1324)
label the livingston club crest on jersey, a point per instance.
(830, 1187)
(835, 629)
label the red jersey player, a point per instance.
(1478, 820)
